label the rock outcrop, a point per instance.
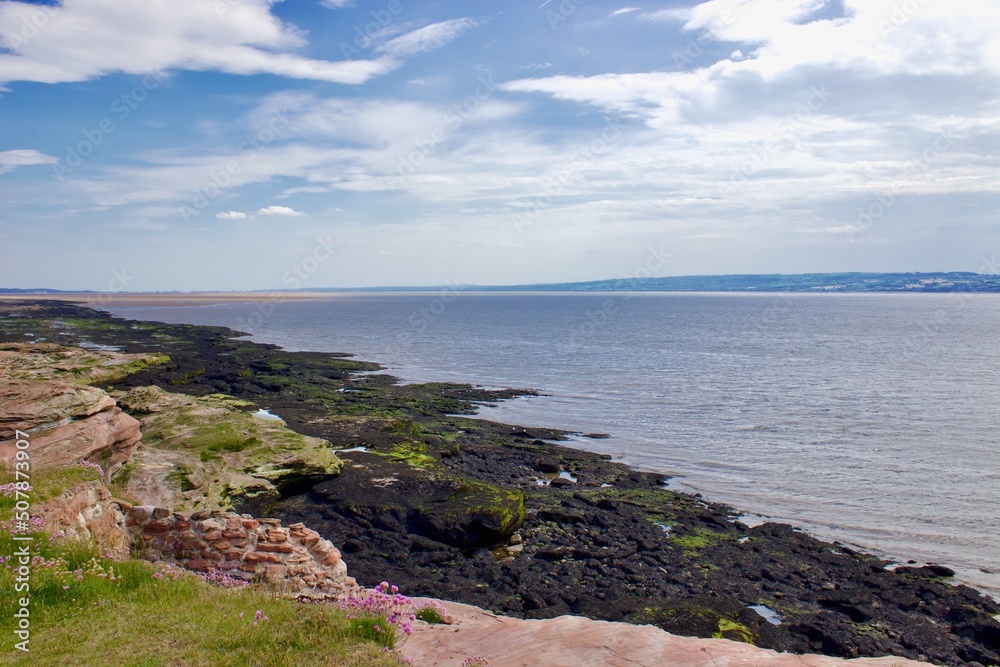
(67, 423)
(75, 365)
(431, 503)
(43, 394)
(86, 512)
(294, 558)
(210, 453)
(573, 641)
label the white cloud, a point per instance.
(306, 189)
(231, 215)
(11, 160)
(779, 43)
(676, 14)
(623, 10)
(280, 210)
(428, 38)
(337, 4)
(85, 39)
(835, 229)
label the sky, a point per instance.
(267, 144)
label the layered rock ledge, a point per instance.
(572, 641)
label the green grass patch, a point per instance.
(91, 610)
(46, 483)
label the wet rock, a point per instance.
(563, 515)
(930, 571)
(547, 465)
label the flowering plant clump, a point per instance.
(65, 574)
(381, 615)
(223, 579)
(7, 490)
(431, 611)
(475, 661)
(170, 572)
(118, 554)
(35, 525)
(93, 466)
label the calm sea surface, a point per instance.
(873, 419)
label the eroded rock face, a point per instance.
(66, 423)
(86, 512)
(297, 558)
(31, 404)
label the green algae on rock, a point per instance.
(209, 453)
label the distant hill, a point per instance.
(953, 281)
(802, 282)
(902, 283)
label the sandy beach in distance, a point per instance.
(168, 299)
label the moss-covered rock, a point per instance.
(50, 361)
(433, 503)
(718, 618)
(210, 453)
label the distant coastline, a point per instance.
(935, 282)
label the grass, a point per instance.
(91, 610)
(45, 484)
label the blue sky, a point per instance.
(252, 144)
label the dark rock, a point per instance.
(854, 602)
(352, 547)
(976, 625)
(547, 465)
(442, 507)
(552, 553)
(928, 571)
(563, 515)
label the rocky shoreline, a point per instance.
(507, 519)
